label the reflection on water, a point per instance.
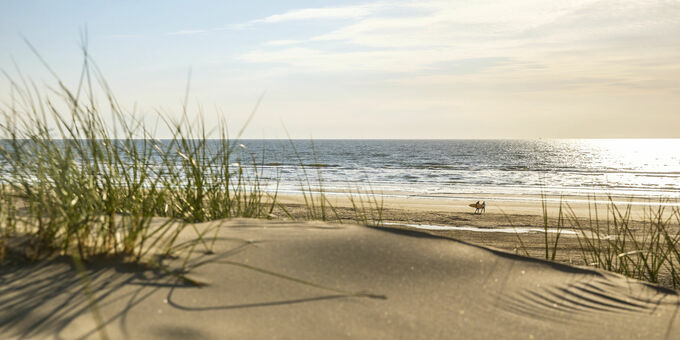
(621, 167)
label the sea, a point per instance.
(640, 170)
(457, 169)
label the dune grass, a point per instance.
(647, 249)
(86, 178)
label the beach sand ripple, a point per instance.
(313, 280)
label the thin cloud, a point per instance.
(351, 12)
(282, 42)
(403, 37)
(189, 32)
(198, 31)
(325, 13)
(123, 36)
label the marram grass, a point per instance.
(647, 248)
(85, 185)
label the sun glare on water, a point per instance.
(648, 155)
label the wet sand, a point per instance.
(511, 205)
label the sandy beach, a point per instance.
(291, 280)
(497, 204)
(510, 223)
(312, 170)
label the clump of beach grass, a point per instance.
(84, 185)
(367, 208)
(7, 219)
(87, 187)
(646, 248)
(316, 202)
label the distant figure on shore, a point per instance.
(479, 208)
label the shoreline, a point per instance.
(496, 204)
(529, 194)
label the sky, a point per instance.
(370, 69)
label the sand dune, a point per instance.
(314, 280)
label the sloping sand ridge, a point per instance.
(314, 280)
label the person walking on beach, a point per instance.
(479, 208)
